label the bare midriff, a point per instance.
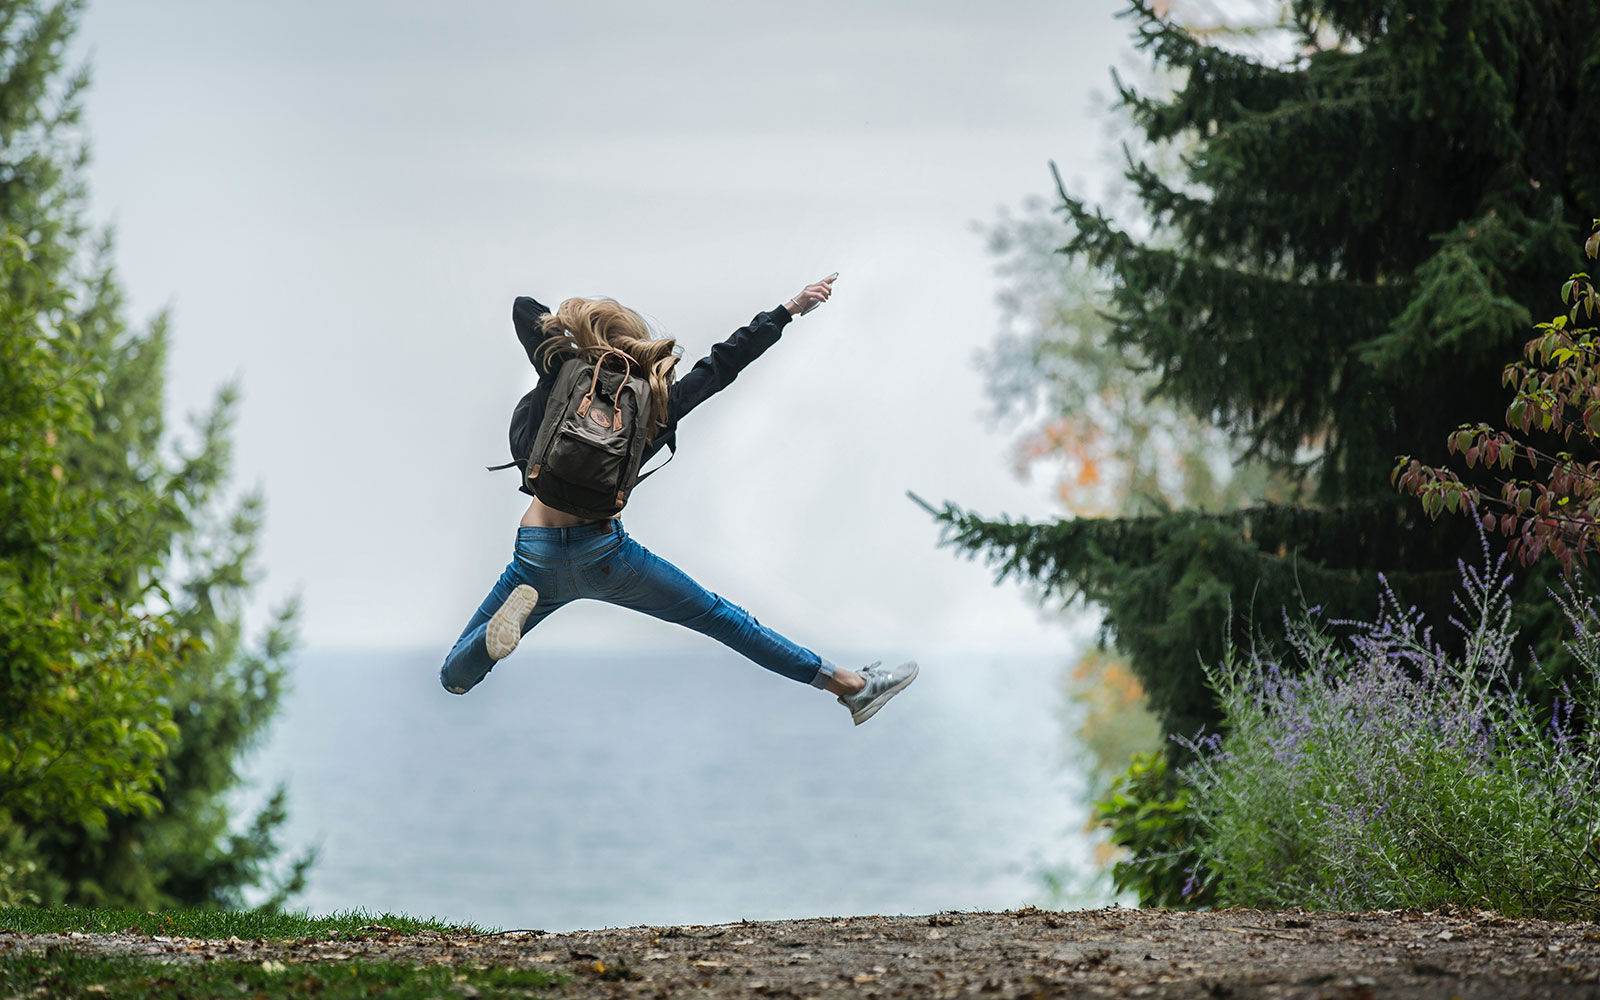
(540, 516)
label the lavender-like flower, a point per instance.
(1375, 765)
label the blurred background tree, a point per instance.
(1087, 410)
(126, 561)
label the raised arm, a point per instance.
(715, 371)
(526, 313)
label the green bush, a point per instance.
(1153, 818)
(1371, 767)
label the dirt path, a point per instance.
(1026, 953)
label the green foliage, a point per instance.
(39, 112)
(1553, 507)
(85, 670)
(1361, 233)
(1179, 589)
(1367, 766)
(1153, 817)
(19, 869)
(127, 692)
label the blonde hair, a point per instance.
(595, 325)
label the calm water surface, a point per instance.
(573, 791)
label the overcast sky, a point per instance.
(339, 201)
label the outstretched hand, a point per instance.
(811, 296)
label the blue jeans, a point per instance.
(600, 562)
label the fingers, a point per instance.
(821, 289)
(815, 294)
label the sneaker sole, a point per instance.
(505, 628)
(872, 706)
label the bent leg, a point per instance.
(663, 591)
(468, 662)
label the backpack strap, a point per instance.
(522, 461)
(594, 384)
(672, 452)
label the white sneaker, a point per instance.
(505, 628)
(883, 683)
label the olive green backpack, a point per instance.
(585, 458)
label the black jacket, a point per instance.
(709, 375)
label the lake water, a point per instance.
(573, 791)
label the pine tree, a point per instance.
(155, 547)
(1362, 239)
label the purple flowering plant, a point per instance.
(1376, 765)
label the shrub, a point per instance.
(1367, 766)
(1154, 818)
(1552, 508)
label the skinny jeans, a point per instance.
(598, 561)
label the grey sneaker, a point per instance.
(505, 628)
(883, 683)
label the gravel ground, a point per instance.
(1025, 953)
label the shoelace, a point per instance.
(875, 686)
(872, 674)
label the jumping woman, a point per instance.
(562, 557)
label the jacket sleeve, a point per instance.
(525, 315)
(716, 370)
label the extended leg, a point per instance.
(663, 591)
(511, 607)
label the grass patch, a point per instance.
(61, 973)
(244, 924)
